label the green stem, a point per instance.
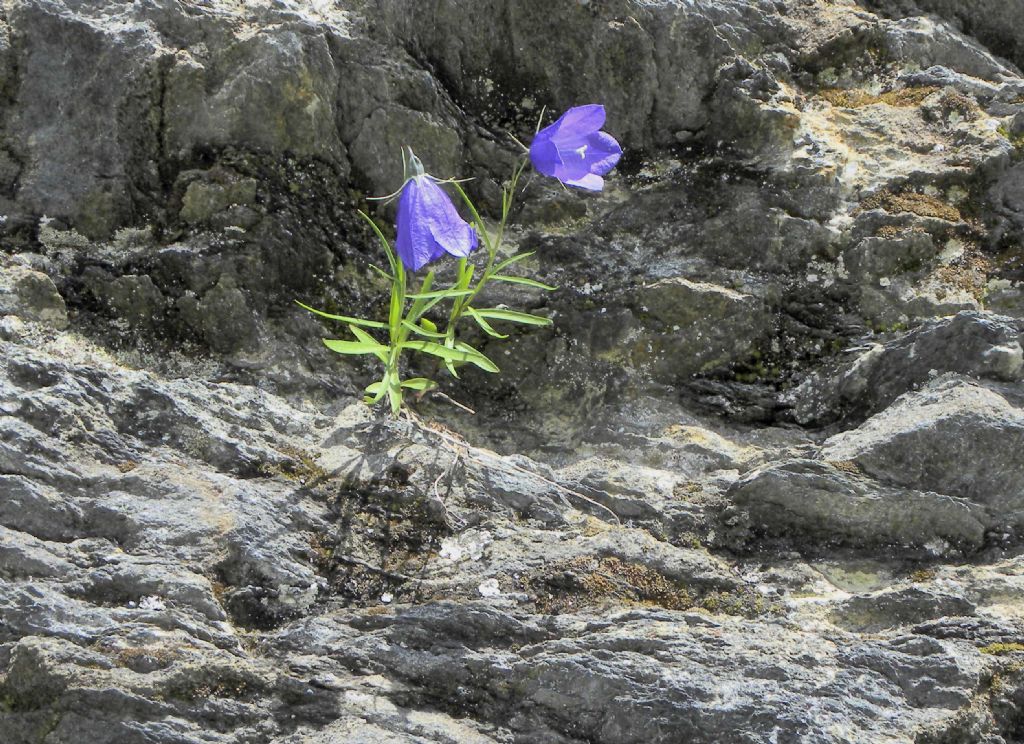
(492, 246)
(392, 379)
(399, 332)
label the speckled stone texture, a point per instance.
(761, 482)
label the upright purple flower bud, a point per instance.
(428, 225)
(575, 150)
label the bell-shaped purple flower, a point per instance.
(575, 150)
(428, 225)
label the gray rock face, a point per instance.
(997, 25)
(32, 295)
(761, 480)
(825, 504)
(936, 470)
(594, 683)
(697, 326)
(979, 345)
(393, 584)
(951, 437)
(652, 64)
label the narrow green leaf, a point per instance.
(363, 336)
(493, 313)
(395, 313)
(440, 294)
(468, 354)
(482, 322)
(428, 347)
(428, 324)
(514, 259)
(366, 338)
(395, 397)
(430, 305)
(523, 280)
(353, 347)
(384, 242)
(379, 270)
(419, 305)
(428, 282)
(374, 392)
(466, 348)
(393, 389)
(419, 383)
(344, 318)
(419, 330)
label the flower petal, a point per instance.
(429, 225)
(413, 243)
(597, 153)
(603, 152)
(457, 238)
(544, 155)
(573, 164)
(451, 232)
(574, 150)
(578, 122)
(590, 182)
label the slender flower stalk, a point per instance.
(492, 244)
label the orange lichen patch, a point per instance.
(901, 98)
(220, 591)
(323, 549)
(689, 488)
(146, 658)
(969, 273)
(594, 526)
(966, 106)
(299, 466)
(847, 466)
(890, 232)
(218, 681)
(588, 581)
(567, 585)
(911, 201)
(923, 575)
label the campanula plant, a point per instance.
(428, 228)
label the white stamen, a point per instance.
(582, 151)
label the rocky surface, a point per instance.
(761, 481)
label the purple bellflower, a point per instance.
(575, 150)
(428, 225)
